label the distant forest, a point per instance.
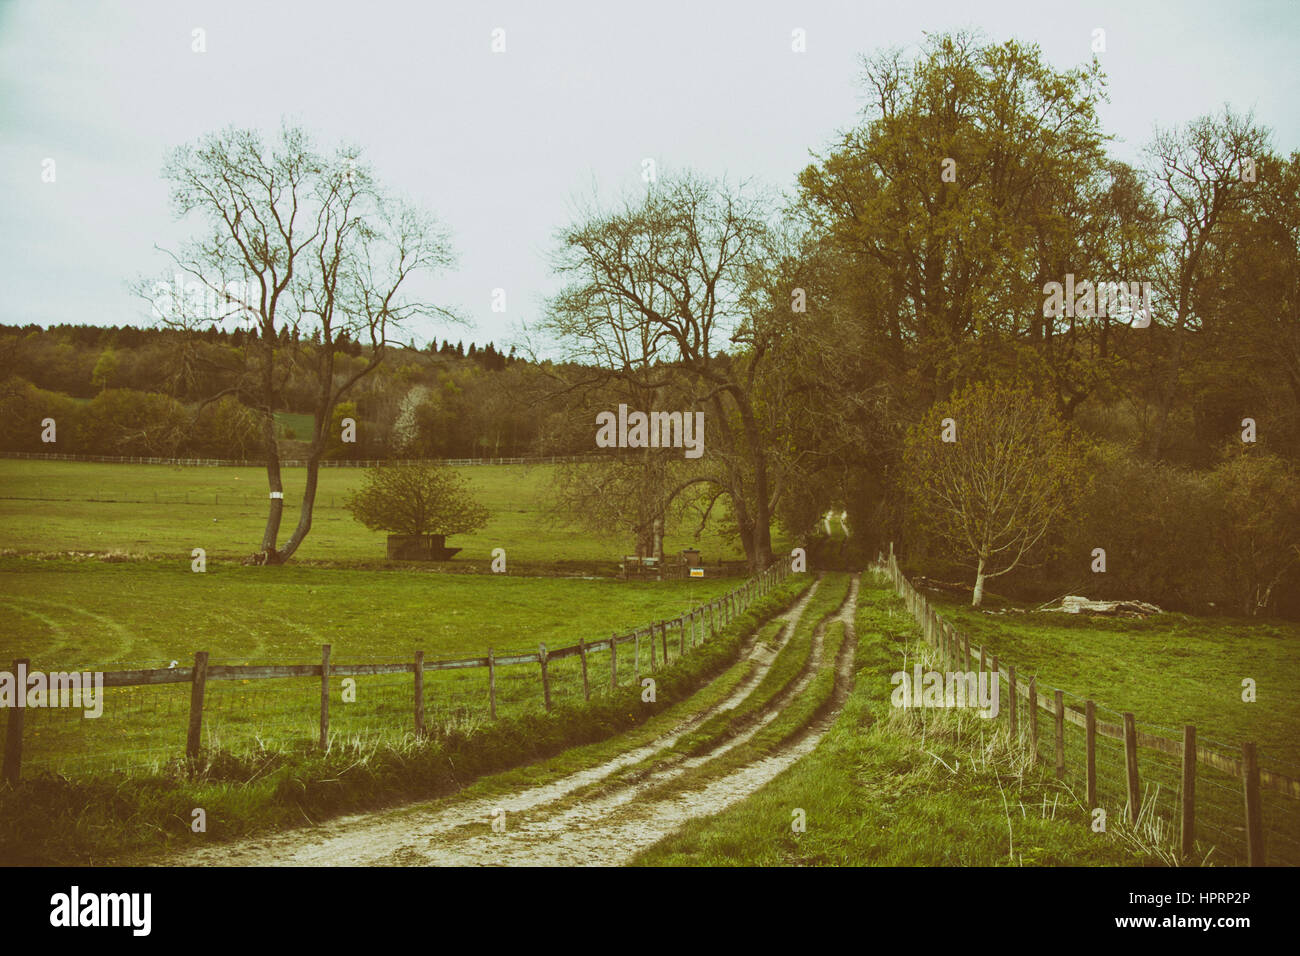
(143, 392)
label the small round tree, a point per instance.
(990, 471)
(418, 500)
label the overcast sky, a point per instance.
(499, 145)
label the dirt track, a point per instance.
(554, 824)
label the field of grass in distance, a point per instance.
(165, 510)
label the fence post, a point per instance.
(324, 695)
(492, 684)
(1058, 706)
(1011, 696)
(1254, 809)
(1131, 766)
(993, 670)
(653, 662)
(546, 681)
(1090, 731)
(1033, 719)
(663, 636)
(965, 650)
(681, 635)
(613, 661)
(582, 652)
(636, 661)
(419, 694)
(1188, 800)
(198, 685)
(14, 729)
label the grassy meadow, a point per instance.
(166, 511)
(1168, 670)
(62, 608)
(278, 781)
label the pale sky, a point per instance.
(499, 145)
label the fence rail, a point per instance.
(692, 628)
(302, 462)
(954, 648)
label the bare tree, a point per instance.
(1197, 175)
(657, 290)
(316, 253)
(1007, 473)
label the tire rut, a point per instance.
(385, 837)
(611, 830)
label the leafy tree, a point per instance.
(416, 499)
(1258, 532)
(122, 421)
(105, 370)
(953, 203)
(993, 493)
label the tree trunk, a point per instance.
(305, 511)
(275, 484)
(977, 597)
(275, 509)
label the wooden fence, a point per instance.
(299, 462)
(689, 630)
(954, 648)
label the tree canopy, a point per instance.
(416, 499)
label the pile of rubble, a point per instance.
(1074, 604)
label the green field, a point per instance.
(65, 613)
(162, 510)
(1168, 670)
(64, 610)
(300, 423)
(90, 615)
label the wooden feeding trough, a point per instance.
(419, 547)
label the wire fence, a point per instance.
(150, 717)
(1200, 803)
